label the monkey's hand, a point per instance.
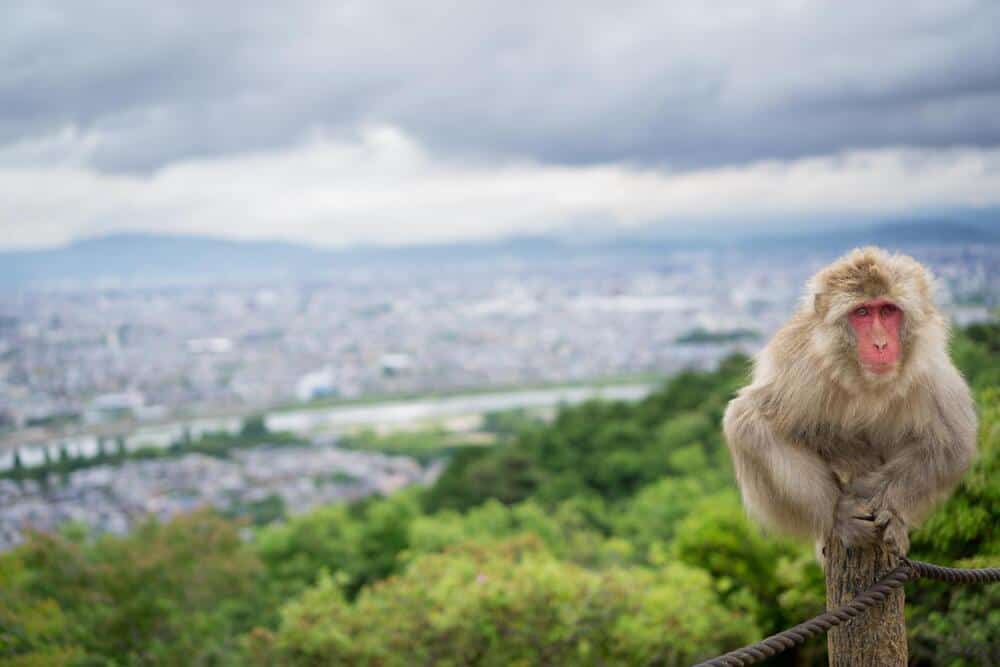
(854, 520)
(895, 534)
(861, 520)
(869, 491)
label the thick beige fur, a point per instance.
(815, 438)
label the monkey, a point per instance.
(855, 422)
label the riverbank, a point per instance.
(320, 420)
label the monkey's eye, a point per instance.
(861, 312)
(889, 309)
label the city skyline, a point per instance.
(156, 350)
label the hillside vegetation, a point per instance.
(612, 536)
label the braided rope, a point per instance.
(878, 592)
(953, 575)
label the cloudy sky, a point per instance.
(397, 122)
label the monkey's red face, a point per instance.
(876, 326)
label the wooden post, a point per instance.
(876, 638)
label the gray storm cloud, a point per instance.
(676, 85)
(402, 122)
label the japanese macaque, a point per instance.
(856, 422)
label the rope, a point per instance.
(953, 575)
(795, 636)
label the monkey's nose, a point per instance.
(880, 345)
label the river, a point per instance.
(328, 421)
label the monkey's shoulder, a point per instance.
(832, 425)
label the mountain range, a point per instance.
(148, 259)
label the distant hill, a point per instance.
(933, 232)
(148, 258)
(151, 259)
(891, 234)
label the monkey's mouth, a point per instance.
(879, 367)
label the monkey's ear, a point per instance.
(814, 296)
(820, 303)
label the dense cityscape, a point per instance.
(78, 357)
(93, 361)
(263, 483)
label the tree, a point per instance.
(34, 630)
(102, 454)
(168, 594)
(499, 603)
(253, 427)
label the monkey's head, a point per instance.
(873, 309)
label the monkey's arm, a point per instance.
(784, 486)
(927, 468)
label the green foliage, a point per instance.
(252, 433)
(957, 625)
(608, 449)
(33, 628)
(701, 336)
(509, 603)
(253, 427)
(975, 351)
(717, 537)
(361, 544)
(259, 512)
(569, 532)
(509, 474)
(168, 594)
(651, 517)
(510, 423)
(424, 445)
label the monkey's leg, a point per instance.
(783, 485)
